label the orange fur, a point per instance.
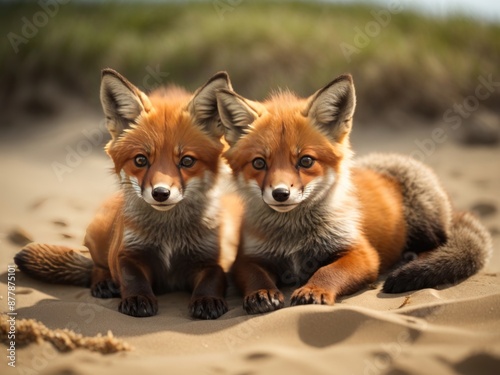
(166, 151)
(166, 134)
(315, 219)
(282, 131)
(381, 203)
(231, 218)
(345, 276)
(337, 256)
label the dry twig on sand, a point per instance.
(30, 330)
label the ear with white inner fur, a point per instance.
(203, 106)
(332, 107)
(121, 101)
(236, 114)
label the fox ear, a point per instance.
(203, 106)
(236, 114)
(331, 108)
(121, 101)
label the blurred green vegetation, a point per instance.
(415, 64)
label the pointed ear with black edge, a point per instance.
(331, 108)
(203, 106)
(236, 114)
(121, 101)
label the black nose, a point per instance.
(281, 194)
(161, 194)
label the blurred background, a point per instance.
(416, 59)
(427, 77)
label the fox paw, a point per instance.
(105, 289)
(207, 307)
(263, 301)
(310, 295)
(139, 306)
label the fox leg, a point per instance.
(209, 289)
(348, 274)
(257, 285)
(102, 284)
(136, 291)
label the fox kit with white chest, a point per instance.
(160, 232)
(318, 220)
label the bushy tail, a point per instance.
(55, 264)
(466, 251)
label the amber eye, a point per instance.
(306, 162)
(259, 163)
(140, 161)
(187, 161)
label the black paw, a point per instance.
(139, 306)
(263, 301)
(309, 295)
(207, 307)
(105, 289)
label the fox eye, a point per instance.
(259, 163)
(187, 161)
(306, 162)
(140, 161)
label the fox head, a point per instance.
(166, 145)
(289, 150)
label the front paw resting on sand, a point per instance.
(263, 300)
(207, 307)
(309, 295)
(139, 306)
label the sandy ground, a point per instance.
(433, 331)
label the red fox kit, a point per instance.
(160, 232)
(317, 220)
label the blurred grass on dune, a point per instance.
(418, 65)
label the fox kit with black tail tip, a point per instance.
(328, 225)
(161, 231)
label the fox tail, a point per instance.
(466, 251)
(55, 264)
